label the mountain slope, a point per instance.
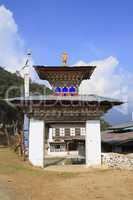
(12, 84)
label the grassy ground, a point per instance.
(20, 181)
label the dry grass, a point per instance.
(20, 181)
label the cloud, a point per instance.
(12, 53)
(108, 79)
(11, 44)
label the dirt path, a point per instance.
(19, 181)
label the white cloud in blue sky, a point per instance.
(108, 79)
(11, 44)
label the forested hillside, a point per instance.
(14, 84)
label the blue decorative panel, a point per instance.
(72, 89)
(65, 89)
(58, 89)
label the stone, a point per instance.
(118, 161)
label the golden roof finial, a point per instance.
(64, 58)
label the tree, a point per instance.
(10, 115)
(104, 125)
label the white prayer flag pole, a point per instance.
(26, 71)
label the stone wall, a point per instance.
(118, 161)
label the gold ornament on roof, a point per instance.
(64, 58)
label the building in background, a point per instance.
(71, 141)
(66, 141)
(118, 139)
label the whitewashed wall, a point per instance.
(93, 143)
(36, 142)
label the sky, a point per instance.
(97, 32)
(86, 29)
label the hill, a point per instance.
(12, 84)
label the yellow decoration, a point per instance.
(64, 58)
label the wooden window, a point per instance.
(54, 132)
(82, 131)
(72, 131)
(62, 132)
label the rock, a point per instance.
(118, 161)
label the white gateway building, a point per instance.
(65, 108)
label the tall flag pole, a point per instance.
(26, 70)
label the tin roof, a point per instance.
(122, 126)
(79, 107)
(110, 138)
(79, 98)
(117, 138)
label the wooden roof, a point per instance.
(58, 73)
